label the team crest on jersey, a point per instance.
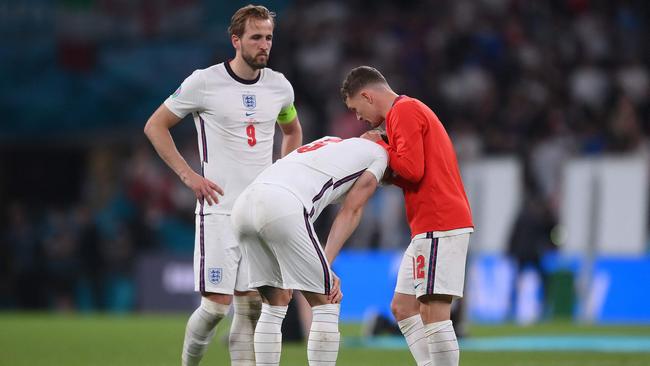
(249, 101)
(215, 275)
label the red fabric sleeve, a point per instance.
(402, 183)
(406, 149)
(395, 179)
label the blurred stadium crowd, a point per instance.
(83, 194)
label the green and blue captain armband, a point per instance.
(287, 114)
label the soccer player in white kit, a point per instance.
(274, 220)
(235, 106)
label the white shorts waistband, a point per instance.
(442, 234)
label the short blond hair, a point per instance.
(241, 16)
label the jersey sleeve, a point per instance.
(406, 149)
(188, 97)
(288, 112)
(378, 164)
(288, 94)
(402, 183)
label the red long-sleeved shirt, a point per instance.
(422, 155)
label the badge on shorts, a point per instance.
(215, 275)
(249, 101)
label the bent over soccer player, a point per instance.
(274, 219)
(424, 163)
(235, 105)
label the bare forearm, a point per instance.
(342, 228)
(162, 141)
(291, 141)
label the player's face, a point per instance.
(255, 43)
(362, 105)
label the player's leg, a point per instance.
(268, 332)
(406, 309)
(215, 267)
(201, 326)
(444, 272)
(215, 283)
(439, 330)
(324, 336)
(290, 239)
(247, 306)
(304, 267)
(262, 270)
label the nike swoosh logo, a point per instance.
(416, 286)
(248, 114)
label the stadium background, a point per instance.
(547, 102)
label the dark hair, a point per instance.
(358, 78)
(241, 16)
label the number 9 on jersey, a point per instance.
(250, 132)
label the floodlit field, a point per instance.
(40, 339)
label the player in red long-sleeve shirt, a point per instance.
(424, 165)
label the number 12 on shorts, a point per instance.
(418, 267)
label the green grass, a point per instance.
(70, 340)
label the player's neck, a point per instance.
(386, 101)
(242, 70)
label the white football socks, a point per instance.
(246, 312)
(200, 330)
(413, 330)
(443, 346)
(268, 335)
(324, 336)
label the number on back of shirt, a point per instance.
(318, 144)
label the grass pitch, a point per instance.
(97, 340)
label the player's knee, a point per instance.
(250, 294)
(394, 308)
(224, 299)
(283, 298)
(435, 308)
(275, 296)
(401, 310)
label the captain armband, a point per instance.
(287, 114)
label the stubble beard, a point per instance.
(251, 61)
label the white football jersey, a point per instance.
(235, 123)
(323, 171)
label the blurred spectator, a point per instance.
(23, 266)
(548, 155)
(531, 236)
(62, 262)
(625, 135)
(529, 241)
(590, 86)
(634, 81)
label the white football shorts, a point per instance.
(433, 265)
(218, 263)
(278, 241)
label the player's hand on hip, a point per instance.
(336, 295)
(372, 135)
(203, 188)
